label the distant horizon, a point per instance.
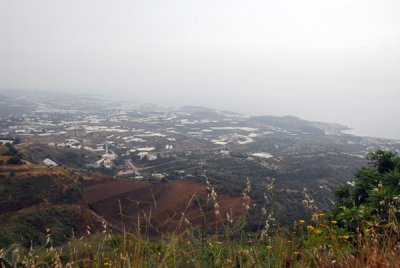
(329, 61)
(350, 129)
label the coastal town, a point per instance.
(159, 144)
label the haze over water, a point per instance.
(335, 61)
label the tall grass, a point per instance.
(222, 241)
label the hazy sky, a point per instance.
(334, 60)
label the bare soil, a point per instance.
(157, 208)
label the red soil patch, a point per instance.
(158, 207)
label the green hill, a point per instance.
(36, 200)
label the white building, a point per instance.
(49, 163)
(150, 157)
(70, 143)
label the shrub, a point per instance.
(375, 194)
(14, 160)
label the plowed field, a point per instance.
(156, 208)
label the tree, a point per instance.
(10, 150)
(383, 161)
(375, 196)
(343, 195)
(17, 140)
(14, 160)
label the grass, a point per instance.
(320, 241)
(192, 249)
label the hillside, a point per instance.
(361, 231)
(34, 198)
(37, 152)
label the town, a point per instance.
(160, 144)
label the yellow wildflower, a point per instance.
(269, 247)
(310, 228)
(317, 231)
(301, 221)
(334, 222)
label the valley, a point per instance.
(158, 145)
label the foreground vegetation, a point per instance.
(362, 230)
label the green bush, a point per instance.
(375, 195)
(14, 160)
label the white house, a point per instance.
(6, 141)
(49, 163)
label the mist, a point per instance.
(335, 61)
